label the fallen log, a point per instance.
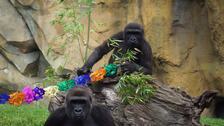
(168, 107)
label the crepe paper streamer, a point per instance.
(51, 91)
(16, 98)
(98, 75)
(38, 93)
(29, 94)
(82, 80)
(65, 85)
(4, 98)
(111, 70)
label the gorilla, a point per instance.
(79, 111)
(132, 38)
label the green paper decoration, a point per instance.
(65, 85)
(111, 70)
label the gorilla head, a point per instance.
(133, 34)
(78, 103)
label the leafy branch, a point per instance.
(69, 17)
(130, 56)
(120, 58)
(135, 88)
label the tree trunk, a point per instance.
(168, 107)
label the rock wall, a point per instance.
(186, 38)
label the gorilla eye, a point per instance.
(129, 32)
(78, 102)
(133, 32)
(136, 33)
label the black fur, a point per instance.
(79, 111)
(131, 38)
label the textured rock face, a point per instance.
(19, 53)
(13, 27)
(186, 38)
(216, 24)
(183, 50)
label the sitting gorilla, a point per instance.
(79, 111)
(132, 38)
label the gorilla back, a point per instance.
(79, 111)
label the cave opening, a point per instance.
(219, 107)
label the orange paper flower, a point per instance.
(98, 75)
(16, 98)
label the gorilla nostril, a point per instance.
(133, 39)
(78, 110)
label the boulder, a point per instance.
(25, 63)
(9, 75)
(26, 2)
(14, 29)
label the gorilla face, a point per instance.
(78, 106)
(133, 34)
(133, 37)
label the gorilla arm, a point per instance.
(57, 118)
(99, 52)
(146, 60)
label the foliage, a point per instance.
(120, 58)
(135, 88)
(114, 42)
(25, 115)
(211, 121)
(51, 76)
(123, 57)
(129, 55)
(70, 16)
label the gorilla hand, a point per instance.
(129, 67)
(83, 70)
